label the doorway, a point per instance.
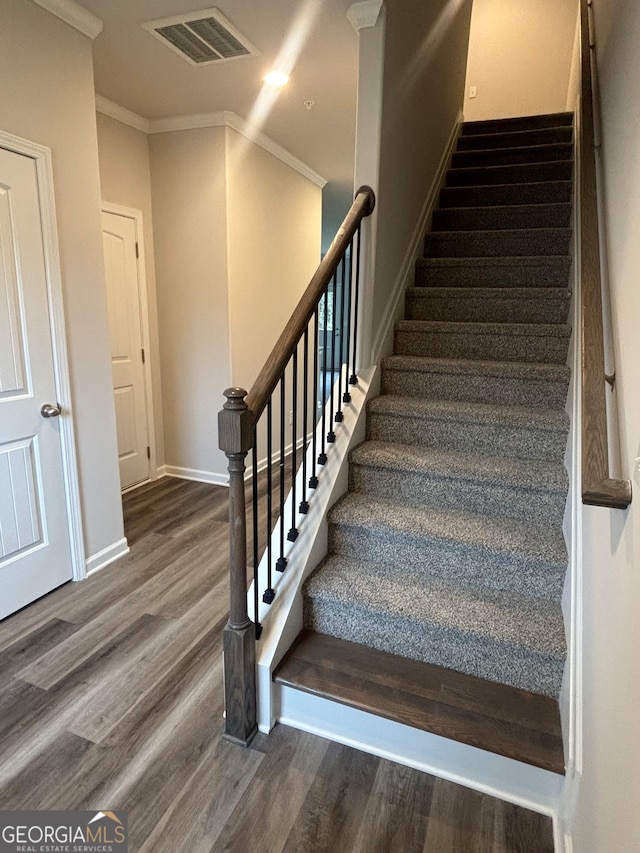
(122, 237)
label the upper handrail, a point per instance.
(598, 487)
(270, 374)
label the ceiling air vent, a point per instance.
(202, 37)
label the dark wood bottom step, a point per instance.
(500, 719)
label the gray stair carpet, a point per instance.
(448, 547)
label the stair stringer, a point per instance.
(282, 620)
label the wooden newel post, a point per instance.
(235, 431)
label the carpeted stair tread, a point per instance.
(504, 125)
(489, 304)
(483, 468)
(530, 490)
(496, 635)
(498, 243)
(512, 194)
(463, 427)
(473, 176)
(547, 343)
(496, 217)
(487, 535)
(515, 271)
(515, 138)
(506, 382)
(540, 153)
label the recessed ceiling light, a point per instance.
(276, 78)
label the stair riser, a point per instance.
(475, 389)
(499, 500)
(555, 273)
(461, 564)
(509, 156)
(468, 437)
(489, 310)
(493, 660)
(482, 346)
(552, 192)
(509, 125)
(497, 218)
(498, 244)
(556, 171)
(516, 139)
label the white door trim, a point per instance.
(44, 176)
(136, 215)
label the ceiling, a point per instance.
(136, 71)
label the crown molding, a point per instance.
(230, 119)
(74, 15)
(364, 14)
(121, 114)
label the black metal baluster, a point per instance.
(322, 457)
(269, 498)
(304, 505)
(353, 379)
(313, 480)
(254, 506)
(281, 563)
(340, 328)
(292, 535)
(331, 436)
(346, 397)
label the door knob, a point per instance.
(49, 411)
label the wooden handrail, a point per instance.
(598, 488)
(270, 374)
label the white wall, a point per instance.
(125, 179)
(519, 57)
(190, 230)
(48, 98)
(608, 817)
(425, 57)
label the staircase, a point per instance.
(448, 550)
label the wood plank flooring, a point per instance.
(111, 697)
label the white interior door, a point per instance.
(35, 547)
(123, 296)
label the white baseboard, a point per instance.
(194, 474)
(108, 555)
(512, 781)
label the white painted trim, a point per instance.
(241, 126)
(196, 121)
(108, 555)
(143, 302)
(512, 781)
(384, 337)
(44, 177)
(74, 15)
(121, 114)
(364, 14)
(195, 474)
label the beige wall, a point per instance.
(425, 57)
(274, 229)
(125, 179)
(48, 98)
(519, 57)
(608, 818)
(237, 236)
(190, 230)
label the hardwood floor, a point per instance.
(111, 697)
